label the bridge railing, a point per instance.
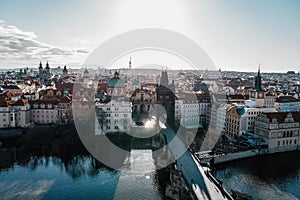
(212, 178)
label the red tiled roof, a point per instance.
(10, 87)
(41, 101)
(21, 102)
(3, 103)
(64, 86)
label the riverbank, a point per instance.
(220, 159)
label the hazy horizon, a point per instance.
(236, 35)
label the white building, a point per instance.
(247, 121)
(280, 130)
(22, 113)
(287, 104)
(192, 110)
(221, 117)
(269, 100)
(188, 113)
(44, 112)
(4, 114)
(241, 119)
(14, 113)
(114, 116)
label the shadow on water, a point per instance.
(38, 147)
(57, 153)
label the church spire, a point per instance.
(47, 65)
(130, 63)
(40, 66)
(258, 80)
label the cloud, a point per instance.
(82, 51)
(17, 44)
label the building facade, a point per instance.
(287, 104)
(114, 116)
(14, 113)
(279, 129)
(44, 112)
(241, 120)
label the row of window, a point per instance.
(43, 116)
(45, 121)
(287, 142)
(42, 105)
(109, 127)
(114, 115)
(42, 111)
(254, 113)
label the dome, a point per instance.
(86, 71)
(116, 83)
(240, 110)
(135, 82)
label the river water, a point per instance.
(266, 177)
(48, 167)
(49, 177)
(57, 166)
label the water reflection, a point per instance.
(267, 177)
(33, 167)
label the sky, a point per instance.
(236, 34)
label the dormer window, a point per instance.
(35, 105)
(42, 105)
(274, 121)
(49, 105)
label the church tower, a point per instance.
(47, 71)
(40, 69)
(164, 80)
(257, 86)
(258, 93)
(130, 63)
(65, 71)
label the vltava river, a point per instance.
(267, 177)
(80, 177)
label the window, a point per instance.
(278, 143)
(295, 141)
(116, 127)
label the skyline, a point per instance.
(66, 34)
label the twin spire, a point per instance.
(41, 66)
